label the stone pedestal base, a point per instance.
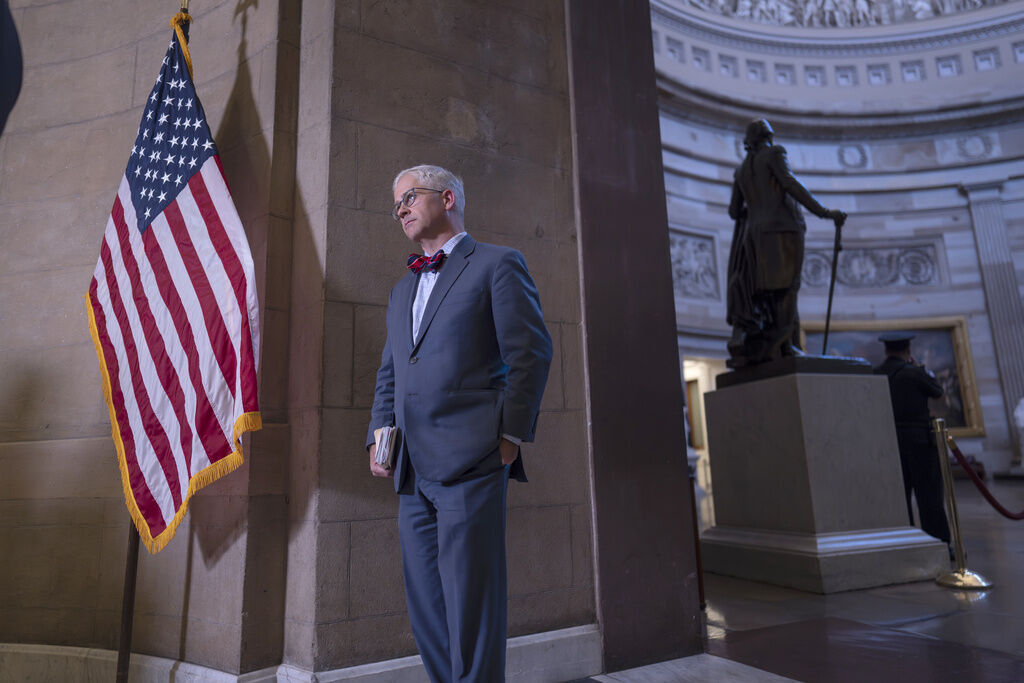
(824, 563)
(807, 486)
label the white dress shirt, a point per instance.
(425, 286)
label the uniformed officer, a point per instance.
(910, 386)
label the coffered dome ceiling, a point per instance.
(842, 68)
(837, 13)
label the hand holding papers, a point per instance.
(386, 438)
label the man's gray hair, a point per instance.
(436, 178)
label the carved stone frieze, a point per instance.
(871, 267)
(694, 266)
(974, 147)
(852, 156)
(837, 13)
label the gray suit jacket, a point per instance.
(477, 371)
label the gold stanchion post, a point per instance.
(963, 577)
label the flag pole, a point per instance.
(131, 565)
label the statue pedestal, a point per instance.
(807, 486)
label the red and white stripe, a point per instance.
(176, 323)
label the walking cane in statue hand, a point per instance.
(839, 217)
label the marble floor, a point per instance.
(905, 633)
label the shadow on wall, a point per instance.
(252, 502)
(216, 525)
(21, 403)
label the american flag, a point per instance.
(173, 311)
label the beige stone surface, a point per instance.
(75, 29)
(357, 641)
(59, 469)
(557, 608)
(52, 392)
(336, 571)
(525, 49)
(539, 549)
(300, 594)
(375, 575)
(554, 392)
(274, 365)
(30, 245)
(268, 469)
(295, 556)
(265, 576)
(556, 475)
(102, 146)
(582, 549)
(347, 490)
(339, 329)
(370, 333)
(47, 86)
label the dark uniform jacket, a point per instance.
(910, 387)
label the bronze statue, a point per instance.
(767, 251)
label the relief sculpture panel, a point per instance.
(694, 266)
(868, 267)
(838, 13)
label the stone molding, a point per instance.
(824, 44)
(835, 543)
(840, 13)
(690, 104)
(854, 164)
(560, 655)
(890, 80)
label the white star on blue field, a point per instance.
(173, 140)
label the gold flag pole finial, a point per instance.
(179, 19)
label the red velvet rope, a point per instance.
(980, 484)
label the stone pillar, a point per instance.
(1002, 296)
(646, 568)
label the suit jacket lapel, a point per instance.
(404, 296)
(453, 266)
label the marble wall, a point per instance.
(912, 127)
(293, 558)
(214, 596)
(910, 243)
(482, 90)
(966, 60)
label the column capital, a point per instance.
(988, 190)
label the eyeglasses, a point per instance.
(408, 199)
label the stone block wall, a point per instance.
(482, 90)
(215, 595)
(314, 106)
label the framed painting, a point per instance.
(940, 344)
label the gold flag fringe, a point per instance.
(247, 422)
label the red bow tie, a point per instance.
(419, 263)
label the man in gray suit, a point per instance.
(462, 374)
